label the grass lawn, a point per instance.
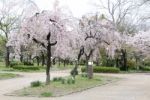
(56, 88)
(7, 76)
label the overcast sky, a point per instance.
(77, 7)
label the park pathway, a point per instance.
(131, 87)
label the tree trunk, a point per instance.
(64, 63)
(124, 59)
(43, 59)
(21, 58)
(21, 55)
(38, 60)
(86, 63)
(48, 64)
(87, 60)
(30, 58)
(97, 61)
(54, 61)
(59, 62)
(7, 62)
(117, 62)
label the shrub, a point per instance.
(74, 72)
(147, 61)
(14, 63)
(103, 69)
(69, 81)
(73, 81)
(28, 63)
(63, 81)
(57, 78)
(83, 69)
(36, 84)
(145, 68)
(131, 64)
(84, 75)
(46, 94)
(25, 68)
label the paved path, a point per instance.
(131, 87)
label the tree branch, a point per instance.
(38, 42)
(52, 44)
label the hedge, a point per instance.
(15, 63)
(22, 67)
(145, 68)
(103, 69)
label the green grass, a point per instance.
(56, 88)
(7, 76)
(46, 94)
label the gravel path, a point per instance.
(131, 87)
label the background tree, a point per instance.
(10, 17)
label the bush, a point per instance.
(28, 63)
(131, 64)
(25, 68)
(63, 81)
(147, 61)
(14, 63)
(36, 84)
(69, 81)
(84, 75)
(46, 94)
(103, 69)
(73, 81)
(145, 68)
(57, 79)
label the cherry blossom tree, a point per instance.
(51, 31)
(94, 33)
(98, 32)
(10, 18)
(142, 42)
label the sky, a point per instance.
(77, 7)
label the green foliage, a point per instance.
(7, 75)
(2, 46)
(147, 61)
(28, 63)
(57, 79)
(106, 61)
(145, 68)
(69, 80)
(25, 68)
(46, 94)
(103, 69)
(83, 69)
(63, 81)
(73, 81)
(14, 63)
(84, 74)
(59, 89)
(36, 84)
(131, 64)
(74, 72)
